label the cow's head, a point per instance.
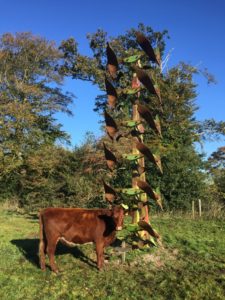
(118, 215)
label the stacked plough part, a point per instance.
(130, 117)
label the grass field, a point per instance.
(191, 265)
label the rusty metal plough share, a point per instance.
(142, 120)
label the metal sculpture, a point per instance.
(110, 193)
(111, 93)
(112, 128)
(147, 81)
(141, 116)
(112, 64)
(111, 160)
(148, 154)
(146, 114)
(146, 46)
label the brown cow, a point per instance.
(77, 226)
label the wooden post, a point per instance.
(123, 255)
(200, 207)
(193, 209)
(135, 117)
(141, 162)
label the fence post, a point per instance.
(123, 255)
(200, 207)
(193, 209)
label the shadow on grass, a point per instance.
(29, 248)
(32, 216)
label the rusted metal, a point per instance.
(144, 186)
(111, 128)
(158, 125)
(141, 170)
(140, 113)
(138, 134)
(111, 160)
(158, 93)
(143, 149)
(147, 189)
(146, 46)
(111, 93)
(147, 226)
(145, 113)
(135, 84)
(112, 62)
(141, 128)
(110, 193)
(145, 79)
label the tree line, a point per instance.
(37, 170)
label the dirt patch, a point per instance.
(158, 259)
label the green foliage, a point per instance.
(35, 172)
(217, 159)
(211, 130)
(30, 88)
(216, 167)
(30, 95)
(183, 179)
(54, 176)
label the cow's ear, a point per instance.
(110, 224)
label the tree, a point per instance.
(217, 170)
(30, 95)
(31, 73)
(183, 178)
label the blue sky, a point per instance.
(196, 28)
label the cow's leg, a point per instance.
(42, 246)
(100, 254)
(51, 252)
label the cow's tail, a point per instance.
(42, 243)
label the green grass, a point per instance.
(190, 266)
